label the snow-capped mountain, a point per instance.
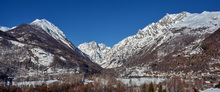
(31, 49)
(52, 30)
(95, 51)
(4, 28)
(174, 33)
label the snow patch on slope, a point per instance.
(42, 57)
(17, 43)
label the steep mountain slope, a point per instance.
(38, 47)
(95, 51)
(204, 63)
(174, 34)
(53, 31)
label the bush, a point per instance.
(204, 47)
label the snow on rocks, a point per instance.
(62, 58)
(17, 43)
(195, 20)
(42, 57)
(4, 28)
(95, 51)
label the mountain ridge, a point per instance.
(158, 32)
(152, 38)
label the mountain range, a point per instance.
(174, 34)
(182, 42)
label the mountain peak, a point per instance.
(95, 51)
(93, 43)
(4, 28)
(43, 22)
(205, 12)
(40, 20)
(170, 19)
(181, 13)
(167, 21)
(52, 30)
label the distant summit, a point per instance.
(96, 51)
(4, 28)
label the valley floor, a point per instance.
(108, 83)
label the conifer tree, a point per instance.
(151, 87)
(160, 89)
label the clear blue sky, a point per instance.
(103, 21)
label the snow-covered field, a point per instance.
(139, 81)
(211, 90)
(34, 83)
